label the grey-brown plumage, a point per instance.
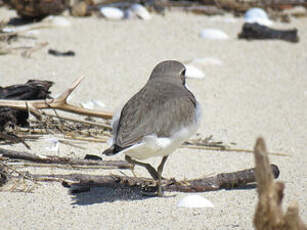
(156, 120)
(161, 107)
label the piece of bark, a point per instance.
(252, 31)
(63, 160)
(37, 9)
(31, 90)
(269, 214)
(220, 181)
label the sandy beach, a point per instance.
(260, 89)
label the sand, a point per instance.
(260, 89)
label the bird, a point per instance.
(156, 120)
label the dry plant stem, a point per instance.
(98, 124)
(269, 214)
(60, 166)
(19, 173)
(63, 160)
(220, 181)
(226, 149)
(88, 139)
(57, 103)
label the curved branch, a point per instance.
(56, 103)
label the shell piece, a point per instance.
(193, 72)
(140, 11)
(213, 34)
(92, 104)
(194, 201)
(57, 21)
(257, 15)
(112, 13)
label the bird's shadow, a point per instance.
(244, 187)
(93, 195)
(101, 194)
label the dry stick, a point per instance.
(220, 181)
(269, 214)
(57, 103)
(63, 160)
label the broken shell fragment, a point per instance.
(195, 201)
(112, 13)
(139, 11)
(213, 34)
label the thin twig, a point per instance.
(98, 124)
(226, 149)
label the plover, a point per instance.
(157, 119)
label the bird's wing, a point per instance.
(155, 114)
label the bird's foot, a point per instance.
(152, 191)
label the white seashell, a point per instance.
(213, 34)
(112, 13)
(53, 143)
(140, 11)
(207, 61)
(193, 72)
(194, 201)
(88, 105)
(98, 103)
(57, 21)
(91, 104)
(257, 15)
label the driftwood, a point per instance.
(269, 214)
(220, 181)
(57, 103)
(37, 9)
(252, 31)
(72, 163)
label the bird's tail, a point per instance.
(112, 150)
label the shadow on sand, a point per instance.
(107, 194)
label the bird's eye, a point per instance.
(182, 77)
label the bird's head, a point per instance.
(170, 70)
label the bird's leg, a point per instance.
(150, 169)
(160, 170)
(161, 166)
(129, 160)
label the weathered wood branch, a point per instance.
(57, 103)
(77, 163)
(220, 181)
(269, 214)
